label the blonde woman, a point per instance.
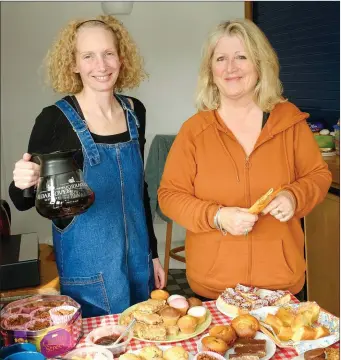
(244, 140)
(106, 257)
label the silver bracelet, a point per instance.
(217, 222)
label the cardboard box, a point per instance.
(19, 261)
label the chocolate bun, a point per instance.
(246, 326)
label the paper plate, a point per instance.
(270, 346)
(173, 338)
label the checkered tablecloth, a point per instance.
(190, 345)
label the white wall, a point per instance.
(170, 36)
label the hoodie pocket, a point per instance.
(230, 265)
(269, 264)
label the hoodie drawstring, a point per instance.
(286, 157)
(228, 154)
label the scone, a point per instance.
(150, 352)
(175, 353)
(172, 330)
(152, 332)
(128, 356)
(151, 306)
(149, 319)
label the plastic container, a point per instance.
(108, 330)
(90, 352)
(337, 138)
(26, 355)
(52, 341)
(15, 348)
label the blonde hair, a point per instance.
(268, 90)
(60, 59)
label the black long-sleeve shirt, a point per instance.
(53, 132)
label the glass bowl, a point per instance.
(108, 330)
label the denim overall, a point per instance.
(103, 256)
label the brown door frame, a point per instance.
(248, 9)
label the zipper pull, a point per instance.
(247, 163)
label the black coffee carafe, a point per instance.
(61, 191)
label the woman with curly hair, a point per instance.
(106, 257)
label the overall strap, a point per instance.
(133, 122)
(82, 131)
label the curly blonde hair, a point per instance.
(60, 59)
(268, 90)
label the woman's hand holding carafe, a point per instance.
(26, 173)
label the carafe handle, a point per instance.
(29, 192)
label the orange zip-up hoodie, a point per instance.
(207, 168)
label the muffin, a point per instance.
(246, 326)
(175, 353)
(62, 314)
(187, 324)
(180, 304)
(172, 297)
(224, 332)
(159, 295)
(199, 312)
(211, 343)
(193, 301)
(150, 352)
(170, 316)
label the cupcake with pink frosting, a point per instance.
(180, 304)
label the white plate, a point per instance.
(163, 348)
(270, 346)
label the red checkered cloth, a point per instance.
(190, 345)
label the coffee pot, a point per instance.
(61, 191)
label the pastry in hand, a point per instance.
(246, 326)
(263, 201)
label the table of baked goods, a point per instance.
(189, 345)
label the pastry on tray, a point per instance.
(151, 306)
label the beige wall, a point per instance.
(170, 36)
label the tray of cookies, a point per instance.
(243, 299)
(53, 323)
(302, 326)
(167, 318)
